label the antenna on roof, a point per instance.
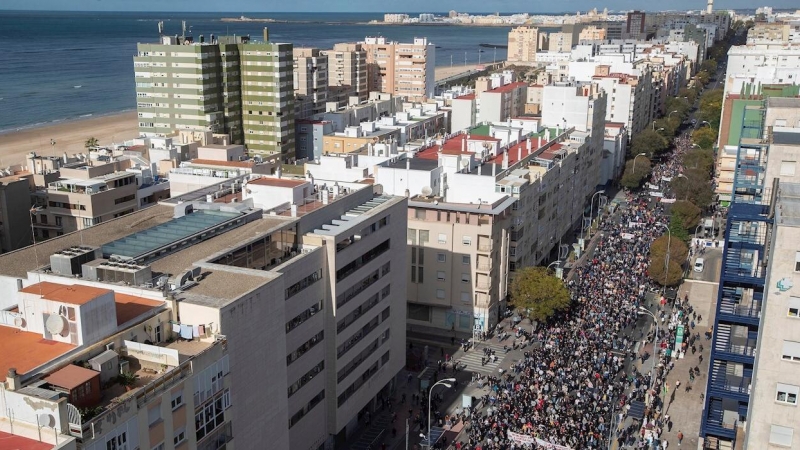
(183, 28)
(160, 27)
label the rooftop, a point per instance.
(144, 242)
(278, 182)
(14, 442)
(130, 307)
(19, 262)
(71, 376)
(212, 162)
(508, 87)
(26, 351)
(73, 294)
(413, 163)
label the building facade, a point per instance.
(403, 69)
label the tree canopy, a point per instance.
(649, 142)
(694, 186)
(710, 108)
(656, 272)
(91, 142)
(632, 179)
(688, 213)
(678, 249)
(537, 294)
(705, 137)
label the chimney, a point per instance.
(539, 143)
(519, 153)
(12, 380)
(463, 145)
(278, 172)
(494, 169)
(266, 34)
(529, 145)
(294, 210)
(408, 163)
(505, 159)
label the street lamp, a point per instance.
(448, 383)
(680, 175)
(634, 160)
(591, 207)
(666, 264)
(643, 310)
(671, 113)
(706, 123)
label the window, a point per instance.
(419, 214)
(794, 307)
(302, 284)
(465, 298)
(791, 351)
(419, 275)
(787, 168)
(424, 236)
(466, 240)
(177, 400)
(779, 435)
(159, 447)
(442, 238)
(58, 220)
(797, 262)
(419, 312)
(440, 275)
(465, 278)
(441, 257)
(440, 293)
(179, 437)
(787, 394)
(154, 415)
(465, 260)
(119, 442)
(411, 236)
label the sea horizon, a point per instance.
(68, 65)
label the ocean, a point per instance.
(65, 65)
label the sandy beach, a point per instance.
(70, 136)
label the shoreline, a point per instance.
(83, 117)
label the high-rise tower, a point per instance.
(710, 7)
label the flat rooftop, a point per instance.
(19, 262)
(71, 376)
(74, 294)
(14, 442)
(26, 351)
(414, 163)
(278, 182)
(146, 241)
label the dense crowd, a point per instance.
(578, 377)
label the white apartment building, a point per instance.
(630, 98)
(310, 81)
(524, 43)
(248, 289)
(777, 63)
(347, 73)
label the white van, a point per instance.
(699, 264)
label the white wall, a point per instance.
(268, 197)
(395, 181)
(563, 102)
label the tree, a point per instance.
(694, 186)
(669, 125)
(690, 94)
(679, 104)
(678, 229)
(633, 179)
(710, 108)
(678, 249)
(656, 272)
(90, 143)
(705, 137)
(709, 66)
(687, 212)
(538, 294)
(649, 142)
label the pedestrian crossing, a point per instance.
(471, 360)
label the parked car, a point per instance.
(699, 265)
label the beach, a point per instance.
(71, 135)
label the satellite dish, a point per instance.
(46, 420)
(57, 324)
(427, 191)
(19, 322)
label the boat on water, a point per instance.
(493, 45)
(77, 86)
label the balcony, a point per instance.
(735, 343)
(485, 247)
(484, 267)
(730, 380)
(720, 422)
(740, 305)
(484, 285)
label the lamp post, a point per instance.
(591, 207)
(643, 310)
(666, 264)
(634, 160)
(671, 113)
(680, 175)
(705, 122)
(446, 382)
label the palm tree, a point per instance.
(91, 143)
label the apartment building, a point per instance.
(310, 82)
(635, 25)
(402, 69)
(593, 33)
(84, 194)
(347, 73)
(503, 103)
(15, 225)
(293, 296)
(748, 387)
(630, 98)
(524, 43)
(227, 85)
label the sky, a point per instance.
(266, 6)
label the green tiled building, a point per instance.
(228, 85)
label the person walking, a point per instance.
(680, 437)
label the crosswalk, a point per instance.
(471, 361)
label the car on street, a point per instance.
(699, 265)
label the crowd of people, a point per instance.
(577, 380)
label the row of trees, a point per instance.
(539, 295)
